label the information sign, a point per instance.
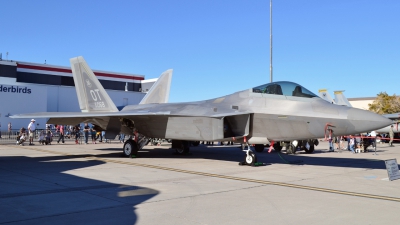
(393, 169)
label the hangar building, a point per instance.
(31, 87)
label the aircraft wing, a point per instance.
(158, 124)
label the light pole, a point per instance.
(270, 40)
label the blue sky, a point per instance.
(216, 47)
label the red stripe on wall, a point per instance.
(24, 66)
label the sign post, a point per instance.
(393, 169)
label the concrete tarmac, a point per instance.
(94, 184)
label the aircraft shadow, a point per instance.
(39, 190)
(235, 154)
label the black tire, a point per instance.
(311, 150)
(250, 159)
(290, 149)
(195, 143)
(130, 148)
(278, 147)
(259, 147)
(184, 149)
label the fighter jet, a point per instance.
(266, 114)
(395, 117)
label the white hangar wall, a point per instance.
(13, 102)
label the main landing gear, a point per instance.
(131, 148)
(181, 147)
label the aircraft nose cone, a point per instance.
(365, 121)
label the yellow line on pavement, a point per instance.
(282, 184)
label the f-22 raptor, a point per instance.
(266, 114)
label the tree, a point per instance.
(385, 104)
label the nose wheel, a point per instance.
(250, 158)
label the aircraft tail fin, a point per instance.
(340, 99)
(91, 94)
(323, 93)
(159, 92)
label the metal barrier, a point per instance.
(11, 137)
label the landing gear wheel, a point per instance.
(259, 147)
(311, 150)
(250, 159)
(290, 149)
(278, 147)
(130, 148)
(184, 149)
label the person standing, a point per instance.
(86, 129)
(61, 127)
(103, 133)
(330, 140)
(77, 131)
(9, 130)
(391, 135)
(373, 139)
(93, 134)
(351, 144)
(31, 129)
(122, 137)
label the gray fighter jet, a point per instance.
(266, 114)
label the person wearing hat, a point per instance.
(391, 135)
(31, 129)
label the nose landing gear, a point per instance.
(250, 158)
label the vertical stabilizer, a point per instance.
(91, 94)
(159, 92)
(340, 99)
(323, 93)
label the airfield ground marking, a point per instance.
(282, 184)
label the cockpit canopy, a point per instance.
(284, 88)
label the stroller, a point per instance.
(21, 139)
